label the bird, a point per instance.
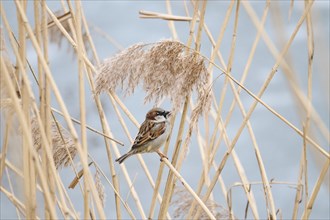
(152, 134)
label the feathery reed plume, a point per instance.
(182, 202)
(166, 69)
(60, 141)
(99, 186)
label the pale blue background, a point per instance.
(280, 146)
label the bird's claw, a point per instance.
(162, 156)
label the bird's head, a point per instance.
(158, 114)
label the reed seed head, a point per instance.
(182, 202)
(165, 69)
(62, 142)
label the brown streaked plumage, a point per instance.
(152, 134)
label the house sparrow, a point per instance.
(152, 134)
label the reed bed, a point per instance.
(49, 165)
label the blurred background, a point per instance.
(115, 25)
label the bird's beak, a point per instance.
(168, 114)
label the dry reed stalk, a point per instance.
(65, 19)
(105, 126)
(311, 141)
(62, 105)
(12, 192)
(66, 210)
(73, 32)
(262, 169)
(159, 177)
(169, 17)
(18, 172)
(123, 167)
(210, 71)
(238, 184)
(206, 100)
(240, 171)
(310, 46)
(244, 75)
(53, 130)
(90, 128)
(62, 191)
(25, 79)
(285, 49)
(210, 67)
(117, 66)
(23, 122)
(135, 195)
(171, 23)
(29, 92)
(170, 182)
(172, 28)
(300, 189)
(82, 102)
(257, 98)
(289, 72)
(316, 188)
(203, 152)
(206, 134)
(15, 201)
(292, 76)
(305, 108)
(305, 171)
(44, 91)
(28, 162)
(115, 98)
(51, 164)
(116, 192)
(303, 133)
(167, 194)
(103, 121)
(239, 167)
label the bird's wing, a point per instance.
(148, 133)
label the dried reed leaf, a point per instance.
(76, 179)
(165, 69)
(60, 141)
(182, 201)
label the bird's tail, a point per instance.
(124, 157)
